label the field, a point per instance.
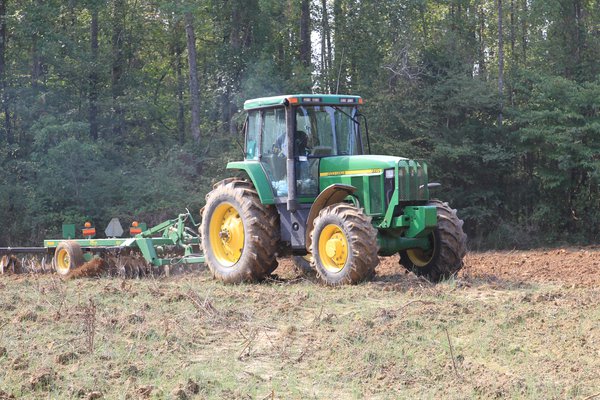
(520, 324)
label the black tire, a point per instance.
(68, 256)
(303, 264)
(348, 232)
(243, 243)
(449, 246)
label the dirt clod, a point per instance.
(27, 316)
(135, 319)
(66, 358)
(42, 378)
(92, 268)
(93, 396)
(192, 387)
(179, 394)
(132, 370)
(6, 396)
(145, 391)
(3, 352)
(20, 363)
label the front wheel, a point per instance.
(344, 245)
(448, 246)
(239, 234)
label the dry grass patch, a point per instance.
(396, 337)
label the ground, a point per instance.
(519, 324)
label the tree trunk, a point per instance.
(193, 70)
(305, 49)
(93, 94)
(118, 65)
(513, 56)
(325, 48)
(500, 62)
(482, 66)
(329, 48)
(180, 87)
(524, 32)
(36, 63)
(3, 83)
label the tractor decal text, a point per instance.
(353, 172)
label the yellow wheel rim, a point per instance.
(226, 234)
(419, 257)
(333, 248)
(63, 262)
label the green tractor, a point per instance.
(313, 191)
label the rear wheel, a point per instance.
(67, 257)
(344, 245)
(239, 234)
(448, 246)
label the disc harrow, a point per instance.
(158, 251)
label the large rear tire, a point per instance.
(239, 234)
(68, 256)
(344, 245)
(448, 247)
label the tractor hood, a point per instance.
(409, 177)
(357, 165)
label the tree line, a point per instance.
(131, 108)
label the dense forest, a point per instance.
(131, 108)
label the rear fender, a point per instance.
(257, 176)
(332, 194)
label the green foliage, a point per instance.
(427, 70)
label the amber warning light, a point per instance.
(88, 230)
(135, 229)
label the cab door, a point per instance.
(274, 144)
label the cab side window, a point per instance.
(274, 139)
(253, 127)
(274, 148)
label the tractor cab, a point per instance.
(305, 129)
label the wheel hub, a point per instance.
(336, 248)
(63, 262)
(421, 258)
(333, 248)
(227, 234)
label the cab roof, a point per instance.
(300, 99)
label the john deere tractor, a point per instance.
(313, 190)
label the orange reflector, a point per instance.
(293, 100)
(135, 231)
(360, 101)
(89, 231)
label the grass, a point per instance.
(161, 338)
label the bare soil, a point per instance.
(578, 267)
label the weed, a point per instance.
(89, 325)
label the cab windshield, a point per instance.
(330, 130)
